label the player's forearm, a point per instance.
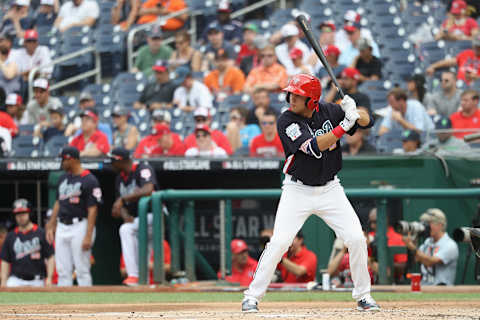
(144, 191)
(407, 125)
(294, 268)
(364, 119)
(426, 260)
(50, 266)
(53, 217)
(92, 218)
(4, 273)
(325, 141)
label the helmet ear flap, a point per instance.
(312, 104)
(287, 98)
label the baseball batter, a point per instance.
(310, 132)
(78, 197)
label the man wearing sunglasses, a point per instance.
(445, 101)
(206, 147)
(267, 144)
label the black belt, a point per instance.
(69, 220)
(29, 278)
(293, 179)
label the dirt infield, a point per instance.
(269, 310)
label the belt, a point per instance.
(293, 179)
(29, 277)
(69, 221)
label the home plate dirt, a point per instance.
(410, 310)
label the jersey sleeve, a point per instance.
(92, 191)
(293, 133)
(6, 254)
(146, 175)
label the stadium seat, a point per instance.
(26, 129)
(54, 145)
(26, 147)
(109, 42)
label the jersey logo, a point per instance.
(127, 189)
(67, 190)
(97, 193)
(145, 174)
(293, 131)
(326, 128)
(23, 249)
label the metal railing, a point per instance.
(158, 199)
(96, 71)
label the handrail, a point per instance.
(96, 71)
(250, 8)
(382, 195)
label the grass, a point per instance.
(139, 297)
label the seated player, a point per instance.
(243, 266)
(299, 264)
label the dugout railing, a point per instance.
(176, 197)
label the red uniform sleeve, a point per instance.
(253, 147)
(101, 142)
(76, 142)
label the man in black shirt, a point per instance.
(310, 132)
(369, 66)
(55, 124)
(27, 257)
(134, 181)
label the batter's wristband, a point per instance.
(338, 131)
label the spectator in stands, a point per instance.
(125, 135)
(411, 142)
(458, 25)
(33, 55)
(404, 114)
(216, 41)
(349, 79)
(247, 48)
(267, 144)
(445, 101)
(151, 10)
(339, 269)
(7, 122)
(162, 142)
(184, 54)
(290, 41)
(296, 55)
(37, 108)
(77, 13)
(467, 62)
(13, 104)
(54, 126)
(243, 266)
(17, 17)
(416, 88)
(248, 62)
(232, 29)
(191, 94)
(358, 143)
(158, 94)
(47, 13)
(331, 54)
(125, 13)
(261, 103)
(91, 142)
(268, 75)
(342, 39)
(468, 117)
(438, 255)
(86, 102)
(238, 132)
(370, 67)
(298, 264)
(9, 75)
(225, 79)
(327, 35)
(150, 53)
(206, 147)
(446, 143)
(202, 116)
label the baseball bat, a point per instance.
(307, 30)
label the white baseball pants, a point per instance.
(129, 240)
(69, 254)
(13, 281)
(297, 203)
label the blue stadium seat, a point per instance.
(26, 147)
(105, 17)
(26, 129)
(54, 145)
(455, 47)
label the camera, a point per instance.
(462, 234)
(414, 227)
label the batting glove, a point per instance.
(348, 104)
(349, 121)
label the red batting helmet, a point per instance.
(307, 86)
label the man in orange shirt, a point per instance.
(469, 115)
(243, 266)
(91, 142)
(225, 79)
(269, 75)
(267, 144)
(151, 10)
(299, 264)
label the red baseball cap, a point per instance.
(331, 49)
(351, 26)
(31, 34)
(458, 6)
(203, 127)
(295, 53)
(328, 24)
(91, 114)
(238, 246)
(160, 66)
(351, 73)
(160, 129)
(13, 99)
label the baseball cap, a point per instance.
(295, 53)
(69, 152)
(201, 112)
(410, 135)
(160, 66)
(13, 99)
(119, 154)
(443, 123)
(352, 16)
(221, 54)
(40, 83)
(363, 44)
(458, 6)
(224, 6)
(182, 72)
(85, 95)
(161, 115)
(289, 30)
(22, 3)
(238, 245)
(327, 24)
(331, 49)
(20, 206)
(351, 26)
(47, 2)
(476, 41)
(156, 32)
(31, 34)
(251, 26)
(203, 127)
(434, 215)
(160, 129)
(56, 108)
(120, 111)
(90, 113)
(213, 26)
(351, 73)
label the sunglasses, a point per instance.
(200, 135)
(267, 56)
(270, 123)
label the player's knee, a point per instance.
(355, 240)
(124, 229)
(278, 243)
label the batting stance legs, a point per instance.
(297, 203)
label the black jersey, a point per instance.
(298, 133)
(141, 174)
(26, 253)
(76, 194)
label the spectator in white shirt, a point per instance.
(32, 55)
(77, 13)
(290, 40)
(9, 76)
(205, 145)
(37, 108)
(191, 94)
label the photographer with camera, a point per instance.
(438, 255)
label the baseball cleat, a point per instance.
(131, 281)
(367, 304)
(249, 305)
